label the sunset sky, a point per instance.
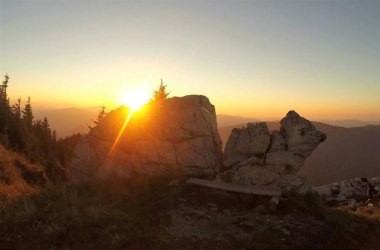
(251, 58)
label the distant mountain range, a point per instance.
(346, 153)
(229, 120)
(68, 121)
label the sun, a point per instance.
(136, 99)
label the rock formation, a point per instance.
(177, 134)
(347, 189)
(256, 156)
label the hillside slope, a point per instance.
(18, 176)
(347, 153)
(150, 214)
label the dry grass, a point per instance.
(18, 176)
(369, 212)
(117, 214)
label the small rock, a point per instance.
(214, 209)
(226, 211)
(212, 205)
(261, 209)
(285, 231)
(249, 224)
(273, 203)
(173, 183)
(370, 205)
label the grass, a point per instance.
(118, 214)
(18, 176)
(104, 214)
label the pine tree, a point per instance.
(160, 94)
(27, 114)
(35, 139)
(4, 109)
(102, 113)
(15, 133)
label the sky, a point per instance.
(250, 58)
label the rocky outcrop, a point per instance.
(347, 189)
(177, 134)
(256, 156)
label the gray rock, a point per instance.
(284, 158)
(173, 183)
(255, 175)
(346, 188)
(272, 205)
(300, 135)
(250, 162)
(177, 135)
(237, 147)
(259, 138)
(254, 156)
(277, 142)
(245, 143)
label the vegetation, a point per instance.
(115, 214)
(161, 93)
(20, 132)
(18, 176)
(102, 113)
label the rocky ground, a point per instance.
(142, 214)
(361, 206)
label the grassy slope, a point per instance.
(18, 176)
(114, 214)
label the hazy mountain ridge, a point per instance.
(68, 121)
(230, 120)
(346, 153)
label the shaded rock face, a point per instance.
(178, 134)
(256, 156)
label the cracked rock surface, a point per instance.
(177, 134)
(256, 156)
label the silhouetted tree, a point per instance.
(15, 130)
(102, 113)
(4, 110)
(161, 93)
(34, 138)
(27, 114)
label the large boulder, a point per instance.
(256, 156)
(252, 141)
(177, 135)
(301, 137)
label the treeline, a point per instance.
(34, 138)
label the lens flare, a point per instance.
(136, 99)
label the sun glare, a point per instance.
(135, 99)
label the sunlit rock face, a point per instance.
(178, 134)
(256, 156)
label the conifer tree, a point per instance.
(102, 113)
(27, 114)
(161, 93)
(15, 133)
(4, 107)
